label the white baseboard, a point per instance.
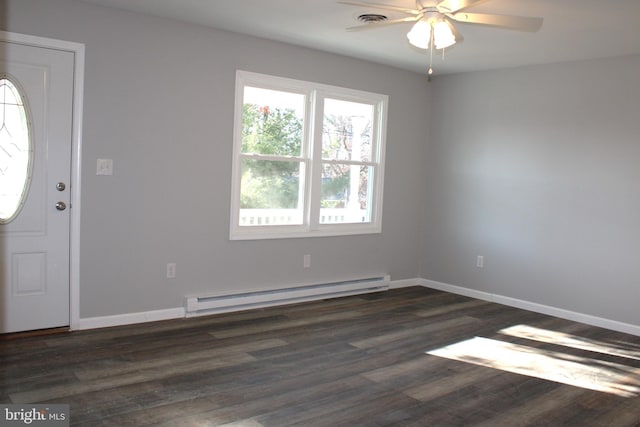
(130, 318)
(405, 283)
(588, 319)
(179, 312)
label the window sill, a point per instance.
(275, 232)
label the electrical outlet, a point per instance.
(171, 270)
(104, 167)
(480, 261)
(306, 261)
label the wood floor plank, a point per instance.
(376, 407)
(534, 410)
(120, 379)
(95, 371)
(318, 396)
(450, 308)
(412, 332)
(416, 367)
(269, 327)
(450, 383)
(620, 414)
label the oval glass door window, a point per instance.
(15, 150)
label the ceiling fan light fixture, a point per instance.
(422, 31)
(443, 35)
(420, 34)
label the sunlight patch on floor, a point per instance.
(568, 340)
(555, 366)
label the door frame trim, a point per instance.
(76, 156)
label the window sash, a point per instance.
(311, 161)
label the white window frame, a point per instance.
(311, 158)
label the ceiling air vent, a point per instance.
(368, 18)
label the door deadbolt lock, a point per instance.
(60, 186)
(61, 206)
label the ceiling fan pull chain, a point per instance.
(431, 52)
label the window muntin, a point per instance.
(16, 151)
(308, 159)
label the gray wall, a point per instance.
(534, 168)
(538, 170)
(159, 98)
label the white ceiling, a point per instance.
(572, 29)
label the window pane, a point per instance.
(15, 151)
(346, 194)
(346, 133)
(272, 122)
(271, 192)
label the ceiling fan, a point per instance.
(434, 22)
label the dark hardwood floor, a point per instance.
(354, 361)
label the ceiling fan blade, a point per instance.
(382, 6)
(383, 23)
(457, 5)
(520, 23)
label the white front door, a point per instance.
(36, 113)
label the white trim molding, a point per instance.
(588, 319)
(130, 318)
(405, 283)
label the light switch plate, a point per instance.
(104, 167)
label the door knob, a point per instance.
(60, 186)
(61, 206)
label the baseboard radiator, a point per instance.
(222, 303)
